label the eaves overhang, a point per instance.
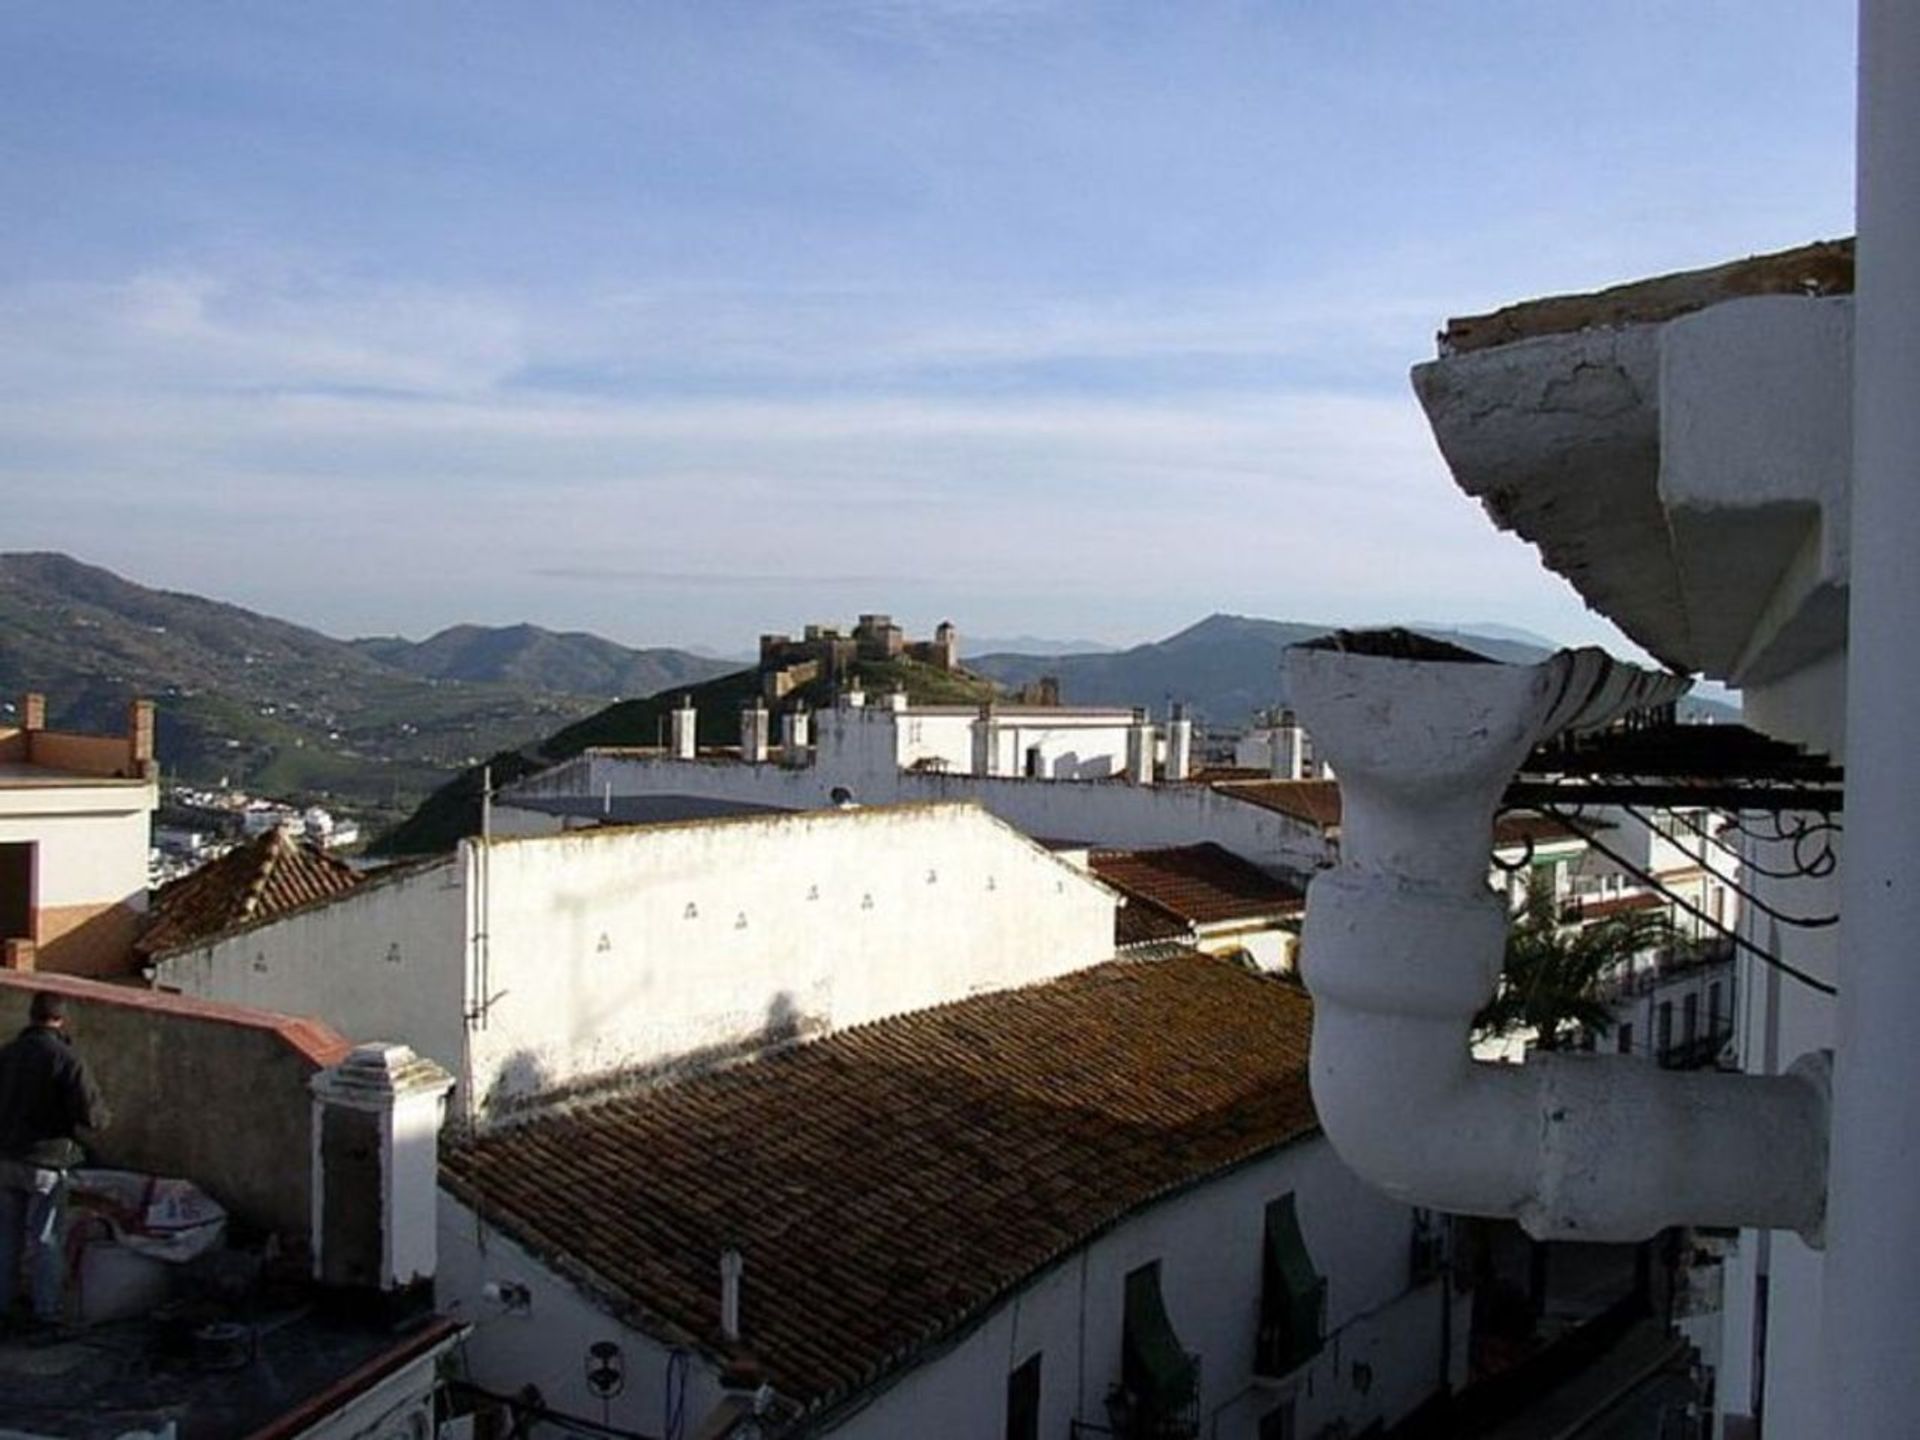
(1678, 450)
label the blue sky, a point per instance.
(683, 321)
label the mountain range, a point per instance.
(379, 723)
(276, 707)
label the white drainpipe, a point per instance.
(1403, 943)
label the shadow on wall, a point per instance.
(525, 1082)
(98, 946)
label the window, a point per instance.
(1023, 1400)
(1625, 1036)
(1689, 1019)
(1663, 1028)
(1293, 1296)
(1715, 1014)
(1160, 1381)
(16, 890)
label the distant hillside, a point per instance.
(453, 811)
(263, 703)
(527, 656)
(1228, 667)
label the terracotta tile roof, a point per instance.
(1315, 801)
(887, 1184)
(1203, 884)
(264, 877)
(1523, 829)
(1602, 909)
(1141, 922)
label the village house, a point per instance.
(1094, 1205)
(75, 814)
(546, 962)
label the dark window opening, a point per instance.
(16, 891)
(1023, 1401)
(1159, 1396)
(1293, 1296)
(1626, 1039)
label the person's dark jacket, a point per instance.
(46, 1095)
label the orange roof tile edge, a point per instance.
(317, 1041)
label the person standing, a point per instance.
(46, 1097)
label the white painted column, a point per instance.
(1872, 1284)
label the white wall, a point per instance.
(628, 946)
(545, 1343)
(1208, 1241)
(388, 962)
(92, 840)
(1107, 812)
(614, 949)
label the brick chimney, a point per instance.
(376, 1130)
(140, 736)
(33, 711)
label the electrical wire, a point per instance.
(1764, 957)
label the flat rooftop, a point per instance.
(255, 1374)
(16, 776)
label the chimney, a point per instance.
(897, 699)
(140, 736)
(1179, 744)
(754, 732)
(732, 1266)
(986, 741)
(794, 737)
(685, 722)
(33, 711)
(376, 1130)
(1287, 748)
(855, 698)
(1140, 749)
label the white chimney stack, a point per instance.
(1140, 749)
(686, 721)
(986, 741)
(376, 1131)
(732, 1266)
(1179, 744)
(897, 699)
(794, 737)
(755, 732)
(1288, 752)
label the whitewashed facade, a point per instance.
(526, 965)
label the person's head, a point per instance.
(48, 1009)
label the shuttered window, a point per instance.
(1155, 1368)
(1293, 1295)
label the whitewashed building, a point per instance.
(76, 814)
(1097, 1201)
(542, 963)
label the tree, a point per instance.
(1551, 977)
